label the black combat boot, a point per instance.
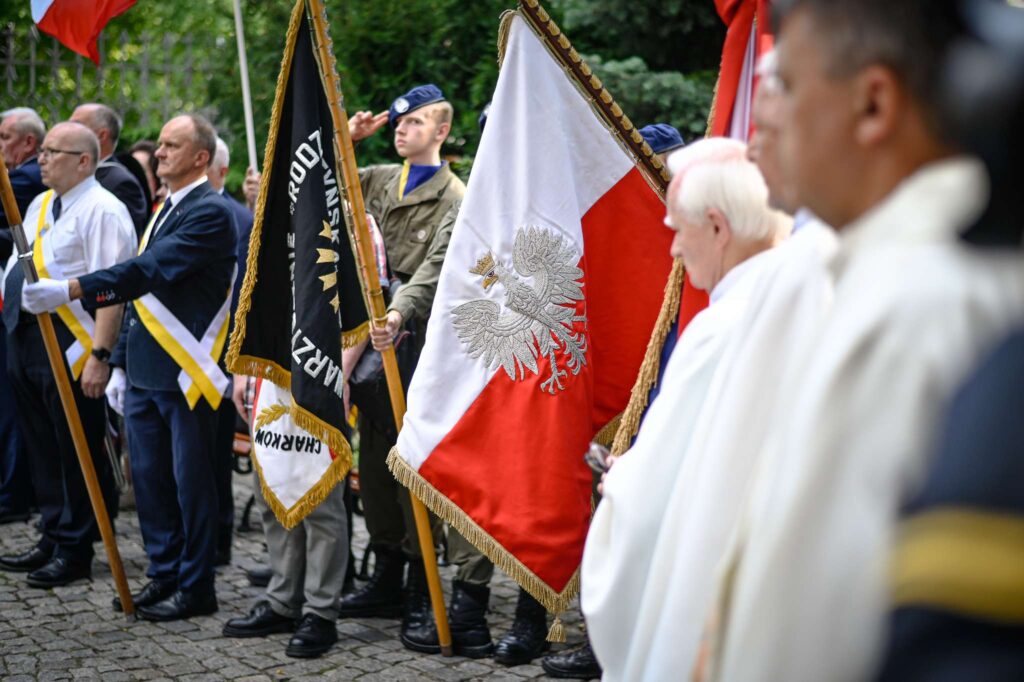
(573, 664)
(467, 618)
(381, 596)
(419, 632)
(528, 637)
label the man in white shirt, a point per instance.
(803, 594)
(725, 230)
(75, 228)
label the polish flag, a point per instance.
(77, 23)
(551, 284)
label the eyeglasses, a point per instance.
(48, 151)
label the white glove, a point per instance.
(116, 388)
(45, 296)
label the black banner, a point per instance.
(301, 293)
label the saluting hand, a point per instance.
(365, 123)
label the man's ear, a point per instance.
(720, 225)
(879, 101)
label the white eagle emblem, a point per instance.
(537, 320)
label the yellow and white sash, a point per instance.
(200, 375)
(73, 315)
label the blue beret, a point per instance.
(483, 116)
(420, 96)
(662, 137)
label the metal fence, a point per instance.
(146, 78)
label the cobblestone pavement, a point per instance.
(72, 633)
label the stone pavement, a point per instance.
(72, 633)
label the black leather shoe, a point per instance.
(179, 606)
(575, 664)
(312, 638)
(467, 618)
(59, 571)
(261, 621)
(419, 631)
(26, 561)
(528, 637)
(154, 591)
(259, 576)
(381, 596)
(12, 516)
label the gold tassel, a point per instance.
(557, 631)
(504, 27)
(353, 337)
(435, 501)
(648, 373)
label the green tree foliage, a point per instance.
(383, 47)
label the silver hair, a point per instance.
(716, 173)
(221, 157)
(27, 122)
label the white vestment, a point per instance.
(804, 592)
(617, 555)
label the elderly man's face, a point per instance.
(695, 243)
(14, 146)
(817, 118)
(63, 160)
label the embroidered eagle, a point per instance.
(535, 320)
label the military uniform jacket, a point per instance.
(187, 265)
(409, 224)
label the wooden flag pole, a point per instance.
(67, 398)
(364, 254)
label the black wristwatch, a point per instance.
(101, 354)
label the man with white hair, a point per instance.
(789, 299)
(75, 228)
(725, 229)
(21, 132)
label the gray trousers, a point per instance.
(308, 561)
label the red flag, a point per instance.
(77, 23)
(551, 283)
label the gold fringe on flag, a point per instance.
(289, 517)
(648, 374)
(249, 365)
(437, 502)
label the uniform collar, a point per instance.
(738, 272)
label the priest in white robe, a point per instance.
(803, 589)
(725, 231)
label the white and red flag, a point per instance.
(551, 284)
(77, 23)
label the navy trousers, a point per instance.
(224, 466)
(172, 456)
(69, 526)
(15, 478)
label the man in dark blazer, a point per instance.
(111, 173)
(21, 133)
(180, 285)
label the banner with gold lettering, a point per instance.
(301, 297)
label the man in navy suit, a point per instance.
(224, 447)
(111, 173)
(21, 133)
(169, 383)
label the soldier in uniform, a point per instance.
(408, 201)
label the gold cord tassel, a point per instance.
(557, 631)
(504, 27)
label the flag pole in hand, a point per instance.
(67, 398)
(378, 311)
